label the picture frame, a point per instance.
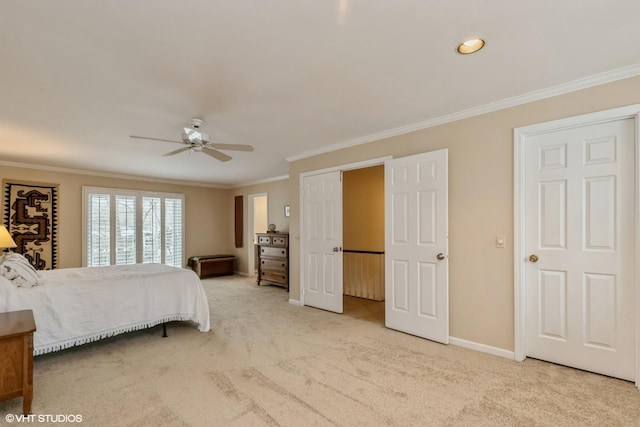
(287, 212)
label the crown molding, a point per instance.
(583, 83)
(261, 181)
(110, 175)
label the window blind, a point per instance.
(151, 230)
(98, 236)
(126, 227)
(173, 231)
(125, 232)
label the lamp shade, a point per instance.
(5, 238)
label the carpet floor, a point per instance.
(266, 362)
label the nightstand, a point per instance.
(16, 356)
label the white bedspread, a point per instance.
(74, 306)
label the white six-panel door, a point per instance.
(579, 231)
(416, 245)
(322, 241)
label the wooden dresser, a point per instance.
(16, 356)
(273, 259)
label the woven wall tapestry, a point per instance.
(31, 216)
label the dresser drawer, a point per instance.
(274, 276)
(274, 264)
(273, 252)
(279, 240)
(264, 240)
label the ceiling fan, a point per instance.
(196, 140)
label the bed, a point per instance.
(74, 306)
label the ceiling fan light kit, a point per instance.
(198, 141)
(192, 134)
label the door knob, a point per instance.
(440, 256)
(533, 258)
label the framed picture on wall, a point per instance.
(286, 210)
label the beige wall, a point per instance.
(480, 201)
(207, 211)
(278, 197)
(363, 209)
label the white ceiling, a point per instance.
(289, 77)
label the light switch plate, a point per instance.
(500, 242)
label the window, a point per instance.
(173, 231)
(125, 232)
(98, 223)
(151, 234)
(125, 227)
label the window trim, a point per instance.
(139, 194)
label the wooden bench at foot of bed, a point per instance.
(212, 265)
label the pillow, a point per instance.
(16, 268)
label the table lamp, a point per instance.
(5, 239)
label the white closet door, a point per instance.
(322, 241)
(416, 245)
(580, 242)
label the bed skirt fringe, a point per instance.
(110, 333)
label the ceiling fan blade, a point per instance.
(216, 154)
(179, 150)
(234, 147)
(155, 139)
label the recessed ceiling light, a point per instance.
(470, 46)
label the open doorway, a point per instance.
(363, 243)
(257, 223)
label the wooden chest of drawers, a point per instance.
(273, 259)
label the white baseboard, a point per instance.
(481, 347)
(241, 273)
(295, 302)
